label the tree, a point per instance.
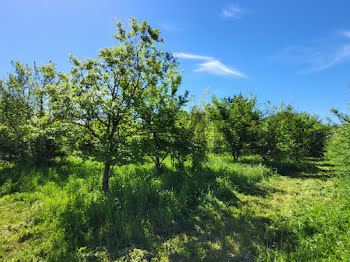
(198, 130)
(26, 131)
(338, 146)
(289, 134)
(344, 118)
(236, 118)
(15, 111)
(44, 134)
(103, 96)
(159, 114)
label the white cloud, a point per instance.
(217, 68)
(232, 11)
(191, 56)
(210, 65)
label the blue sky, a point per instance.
(292, 51)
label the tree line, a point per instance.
(124, 106)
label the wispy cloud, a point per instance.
(170, 27)
(339, 56)
(318, 56)
(345, 33)
(192, 56)
(217, 68)
(210, 65)
(232, 11)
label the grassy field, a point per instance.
(226, 211)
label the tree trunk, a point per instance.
(156, 147)
(157, 164)
(235, 156)
(105, 183)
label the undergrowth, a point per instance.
(224, 211)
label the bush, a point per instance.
(338, 149)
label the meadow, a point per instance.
(226, 211)
(107, 162)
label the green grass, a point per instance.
(246, 211)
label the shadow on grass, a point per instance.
(180, 215)
(251, 160)
(308, 167)
(27, 178)
(144, 209)
(304, 168)
(226, 235)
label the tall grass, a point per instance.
(79, 221)
(222, 211)
(317, 231)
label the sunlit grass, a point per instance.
(226, 211)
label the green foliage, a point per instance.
(160, 113)
(191, 139)
(123, 106)
(121, 114)
(27, 131)
(199, 140)
(288, 134)
(15, 111)
(237, 120)
(338, 148)
(105, 97)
